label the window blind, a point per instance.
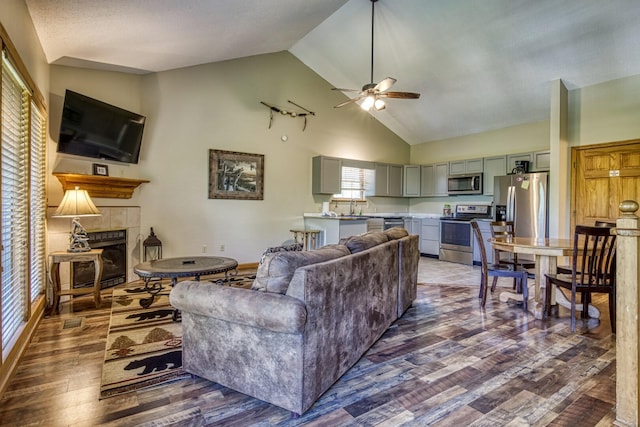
(14, 197)
(37, 204)
(354, 182)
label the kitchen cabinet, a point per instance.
(430, 236)
(485, 231)
(493, 166)
(411, 187)
(541, 161)
(326, 175)
(433, 179)
(462, 167)
(334, 228)
(388, 180)
(375, 224)
(512, 158)
(413, 225)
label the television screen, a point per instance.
(95, 129)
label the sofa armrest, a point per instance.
(271, 311)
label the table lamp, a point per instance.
(77, 203)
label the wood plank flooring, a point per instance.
(446, 362)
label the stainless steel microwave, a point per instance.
(464, 184)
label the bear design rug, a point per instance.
(144, 344)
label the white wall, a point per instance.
(217, 106)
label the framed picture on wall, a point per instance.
(234, 175)
(102, 170)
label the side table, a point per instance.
(55, 258)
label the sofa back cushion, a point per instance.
(365, 241)
(276, 270)
(396, 233)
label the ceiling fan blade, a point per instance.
(401, 95)
(349, 101)
(346, 90)
(385, 84)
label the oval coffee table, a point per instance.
(175, 268)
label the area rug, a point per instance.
(144, 344)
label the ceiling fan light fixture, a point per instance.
(379, 105)
(368, 102)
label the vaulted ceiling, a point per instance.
(479, 65)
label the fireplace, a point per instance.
(114, 258)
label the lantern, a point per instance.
(152, 247)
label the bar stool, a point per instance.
(308, 238)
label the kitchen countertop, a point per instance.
(367, 215)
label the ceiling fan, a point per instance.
(371, 93)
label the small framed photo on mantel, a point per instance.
(101, 170)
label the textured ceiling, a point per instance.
(479, 65)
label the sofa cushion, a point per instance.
(365, 241)
(284, 248)
(276, 271)
(396, 233)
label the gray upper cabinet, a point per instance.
(462, 167)
(388, 181)
(411, 187)
(433, 179)
(541, 161)
(512, 158)
(493, 166)
(326, 175)
(427, 180)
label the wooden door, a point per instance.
(603, 176)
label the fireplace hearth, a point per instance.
(114, 259)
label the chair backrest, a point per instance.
(483, 252)
(594, 256)
(605, 224)
(502, 229)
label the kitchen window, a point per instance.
(354, 183)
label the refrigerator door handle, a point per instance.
(510, 202)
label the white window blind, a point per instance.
(37, 204)
(354, 182)
(14, 195)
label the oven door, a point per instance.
(456, 241)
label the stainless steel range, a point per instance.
(456, 235)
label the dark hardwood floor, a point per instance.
(446, 362)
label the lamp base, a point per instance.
(87, 249)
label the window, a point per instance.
(23, 200)
(355, 183)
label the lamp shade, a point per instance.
(76, 203)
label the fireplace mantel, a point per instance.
(100, 186)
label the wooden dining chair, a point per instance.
(566, 269)
(593, 270)
(498, 270)
(506, 229)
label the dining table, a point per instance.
(546, 252)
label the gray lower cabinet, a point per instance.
(333, 229)
(430, 236)
(485, 230)
(413, 225)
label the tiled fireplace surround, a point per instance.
(112, 218)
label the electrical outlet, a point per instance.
(204, 249)
(221, 248)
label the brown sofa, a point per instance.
(310, 316)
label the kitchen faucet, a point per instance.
(352, 207)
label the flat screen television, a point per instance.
(95, 129)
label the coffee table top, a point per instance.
(185, 266)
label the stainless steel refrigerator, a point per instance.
(523, 199)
